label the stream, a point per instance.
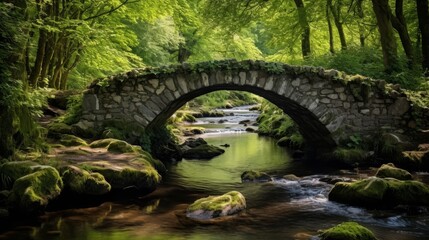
(280, 209)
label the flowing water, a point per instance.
(280, 209)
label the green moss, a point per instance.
(71, 140)
(55, 130)
(102, 143)
(417, 160)
(380, 192)
(83, 182)
(390, 171)
(142, 177)
(32, 192)
(218, 203)
(349, 231)
(253, 175)
(11, 171)
(349, 156)
(112, 132)
(203, 151)
(120, 147)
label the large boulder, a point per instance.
(32, 193)
(347, 231)
(203, 151)
(255, 176)
(139, 176)
(390, 171)
(83, 182)
(380, 192)
(217, 206)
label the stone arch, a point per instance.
(327, 104)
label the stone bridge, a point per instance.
(328, 105)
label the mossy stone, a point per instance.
(417, 160)
(381, 192)
(31, 193)
(120, 146)
(71, 140)
(143, 177)
(390, 171)
(203, 151)
(55, 130)
(217, 206)
(347, 231)
(83, 182)
(255, 176)
(102, 143)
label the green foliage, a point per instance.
(221, 99)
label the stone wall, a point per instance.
(326, 104)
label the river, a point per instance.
(280, 209)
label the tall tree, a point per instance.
(305, 28)
(336, 13)
(400, 24)
(423, 16)
(328, 20)
(387, 38)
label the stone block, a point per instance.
(242, 76)
(339, 89)
(270, 83)
(325, 100)
(326, 91)
(296, 82)
(154, 83)
(90, 102)
(333, 96)
(170, 84)
(305, 87)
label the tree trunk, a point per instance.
(303, 22)
(331, 36)
(360, 25)
(184, 53)
(37, 68)
(387, 37)
(335, 10)
(399, 23)
(423, 15)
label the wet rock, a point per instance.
(203, 151)
(83, 182)
(249, 129)
(141, 175)
(390, 171)
(334, 180)
(194, 142)
(222, 121)
(291, 177)
(217, 206)
(71, 140)
(244, 122)
(226, 145)
(255, 176)
(31, 194)
(347, 231)
(380, 192)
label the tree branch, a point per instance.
(111, 10)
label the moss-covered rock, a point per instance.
(71, 140)
(142, 177)
(380, 192)
(114, 145)
(347, 231)
(11, 171)
(295, 141)
(55, 130)
(203, 151)
(83, 182)
(120, 147)
(291, 177)
(31, 193)
(217, 206)
(349, 156)
(255, 176)
(390, 171)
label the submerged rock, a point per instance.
(390, 171)
(217, 206)
(31, 193)
(83, 182)
(203, 151)
(194, 142)
(347, 231)
(255, 176)
(291, 177)
(380, 192)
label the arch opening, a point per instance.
(315, 133)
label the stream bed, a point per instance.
(280, 209)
